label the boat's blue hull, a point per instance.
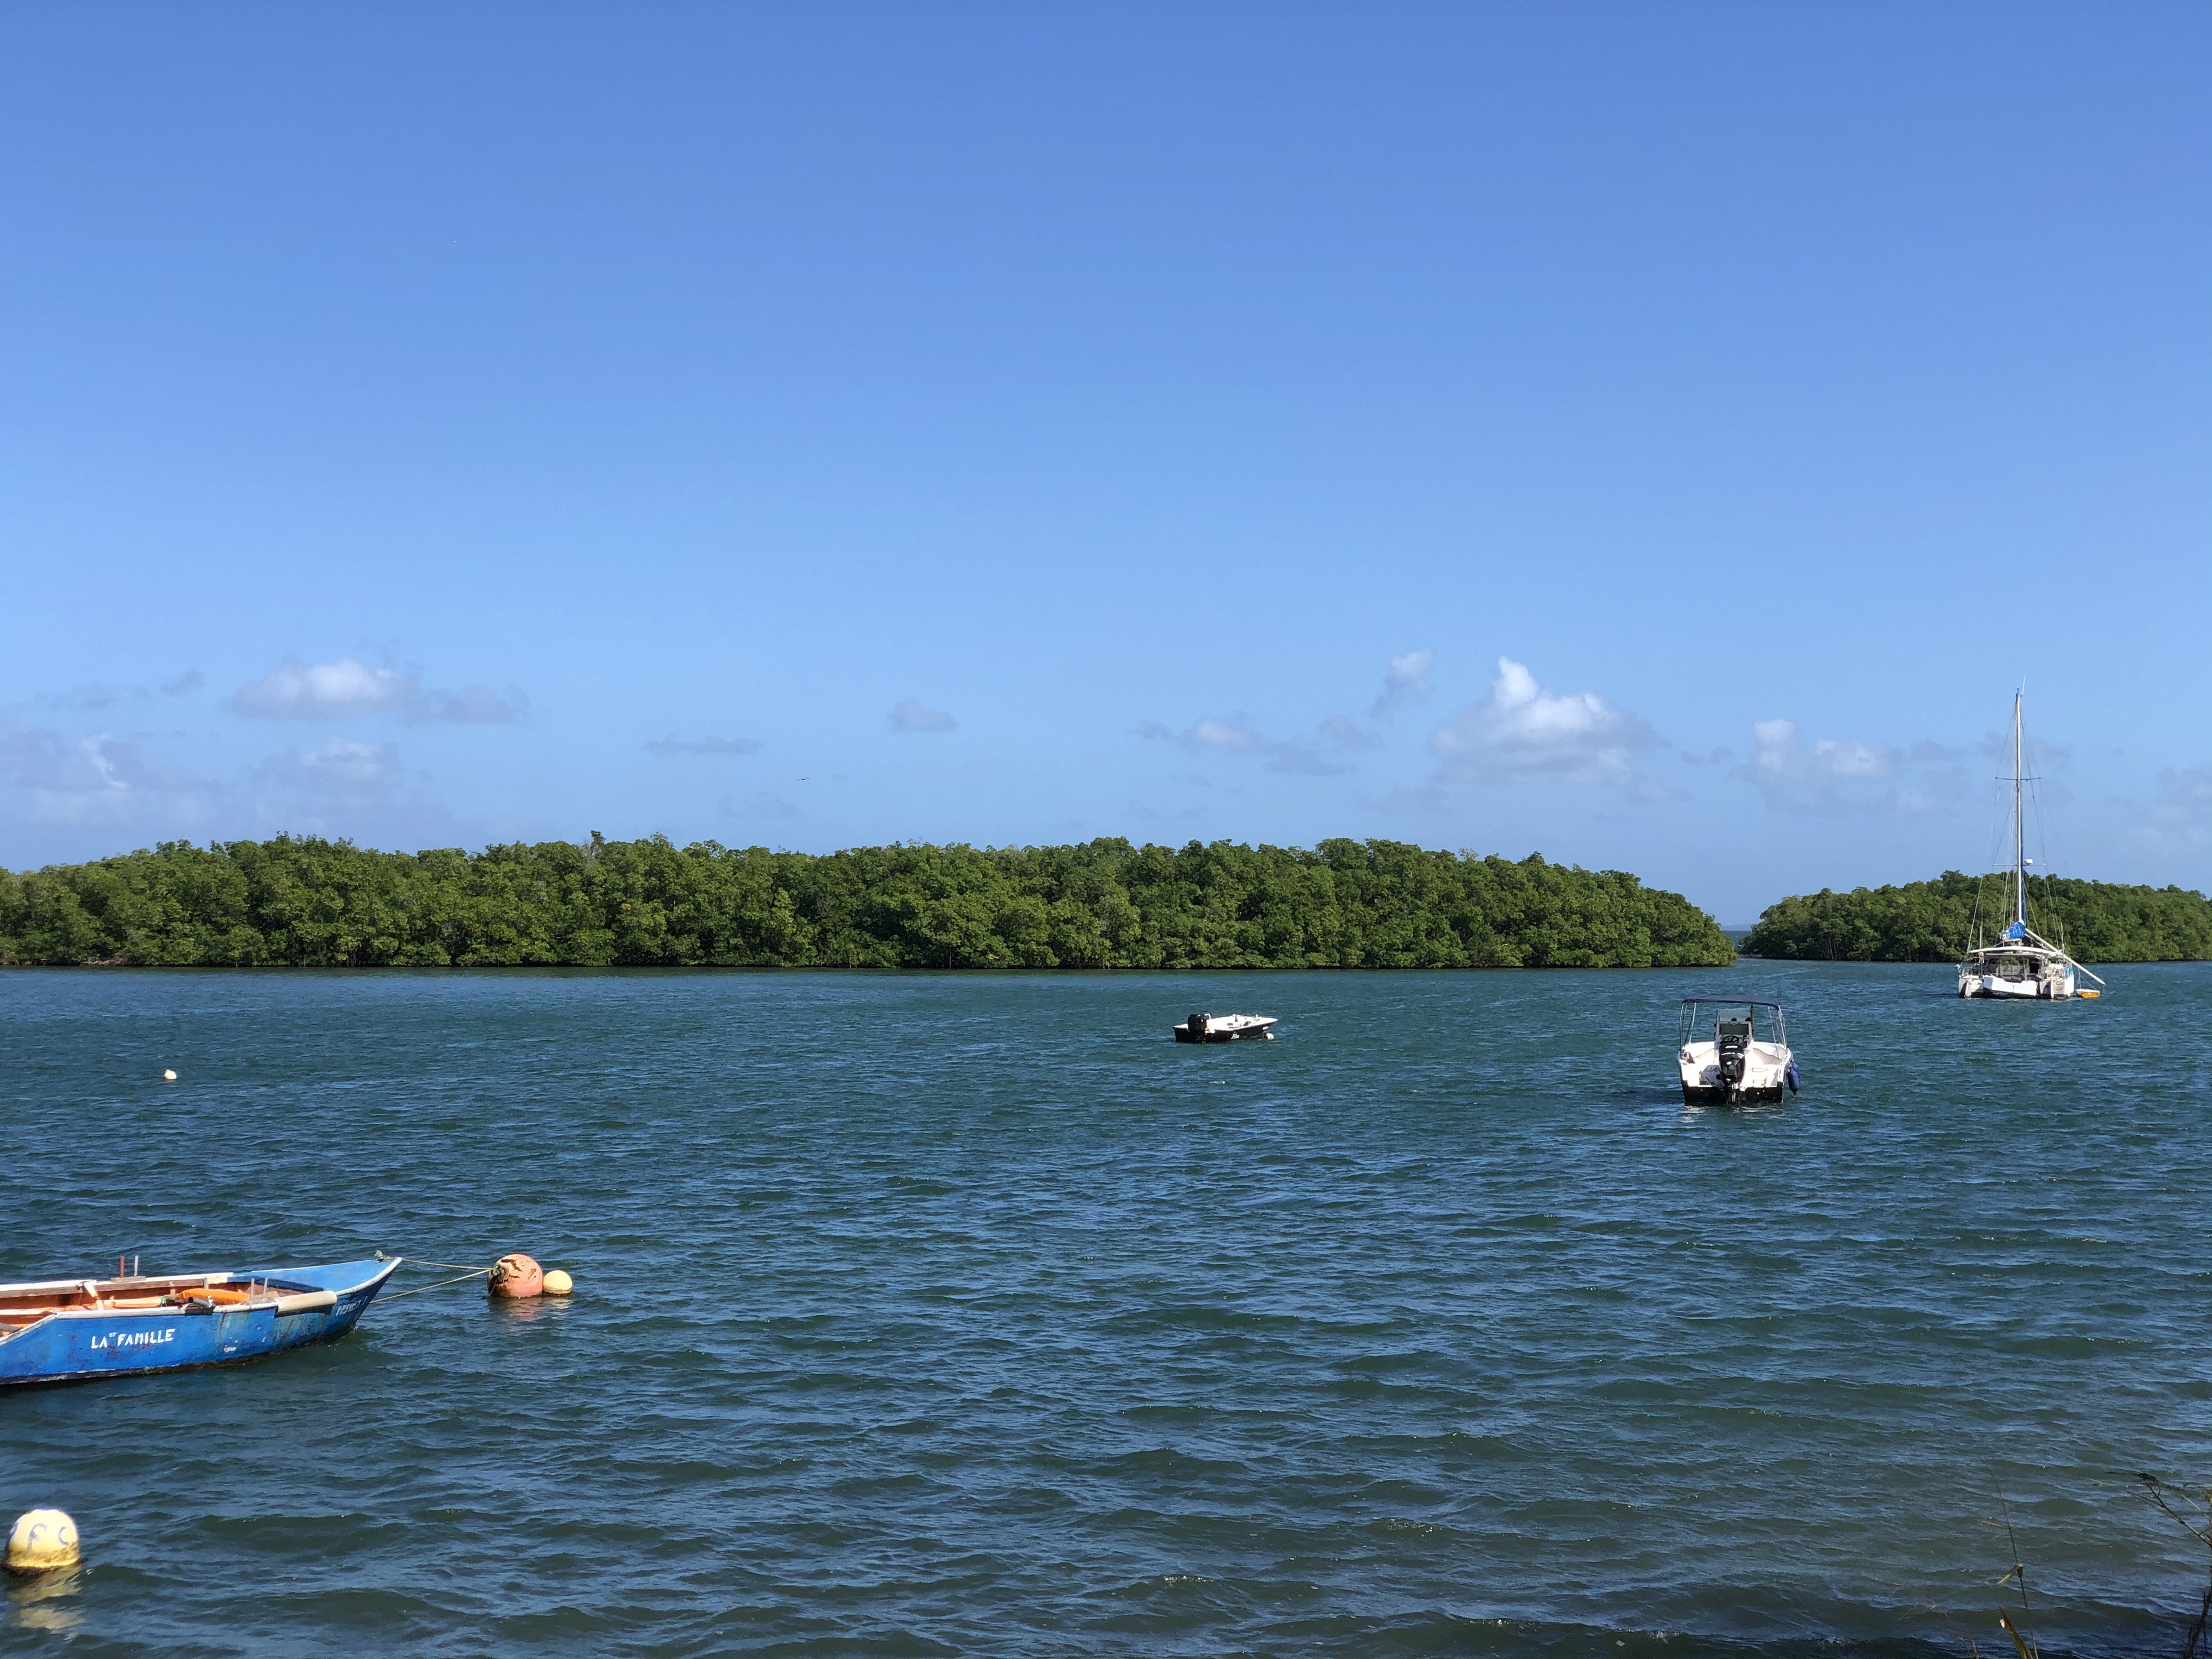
(311, 1304)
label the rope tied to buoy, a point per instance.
(514, 1275)
(473, 1272)
(425, 1261)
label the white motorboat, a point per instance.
(2021, 963)
(1226, 1028)
(1733, 1051)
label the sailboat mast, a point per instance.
(2019, 828)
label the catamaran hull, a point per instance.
(76, 1345)
(2011, 989)
(2055, 985)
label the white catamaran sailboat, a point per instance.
(2020, 962)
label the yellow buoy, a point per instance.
(43, 1540)
(558, 1283)
(168, 1077)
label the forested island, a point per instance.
(1932, 920)
(309, 902)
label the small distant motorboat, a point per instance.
(1226, 1028)
(2020, 962)
(1733, 1051)
(70, 1330)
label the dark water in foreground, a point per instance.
(936, 1314)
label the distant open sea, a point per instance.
(967, 1314)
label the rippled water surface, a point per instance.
(945, 1314)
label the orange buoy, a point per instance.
(517, 1275)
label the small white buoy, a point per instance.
(558, 1283)
(43, 1540)
(168, 1077)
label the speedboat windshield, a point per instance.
(1706, 1019)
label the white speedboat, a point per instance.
(2021, 963)
(1226, 1028)
(1733, 1051)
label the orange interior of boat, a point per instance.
(21, 1307)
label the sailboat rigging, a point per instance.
(2021, 963)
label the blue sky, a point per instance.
(1660, 436)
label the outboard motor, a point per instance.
(1196, 1027)
(1731, 1042)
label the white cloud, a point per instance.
(107, 767)
(342, 786)
(707, 746)
(1342, 732)
(98, 779)
(109, 788)
(473, 705)
(2182, 812)
(340, 767)
(186, 683)
(1230, 737)
(909, 717)
(294, 690)
(2040, 752)
(1779, 752)
(1406, 680)
(1212, 734)
(2190, 790)
(1304, 760)
(1841, 776)
(344, 689)
(84, 698)
(1521, 733)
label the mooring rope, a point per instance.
(473, 1272)
(466, 1272)
(425, 1261)
(515, 1276)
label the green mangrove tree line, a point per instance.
(1103, 904)
(1933, 920)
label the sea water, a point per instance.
(969, 1313)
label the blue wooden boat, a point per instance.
(73, 1329)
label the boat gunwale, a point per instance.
(307, 1308)
(284, 1285)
